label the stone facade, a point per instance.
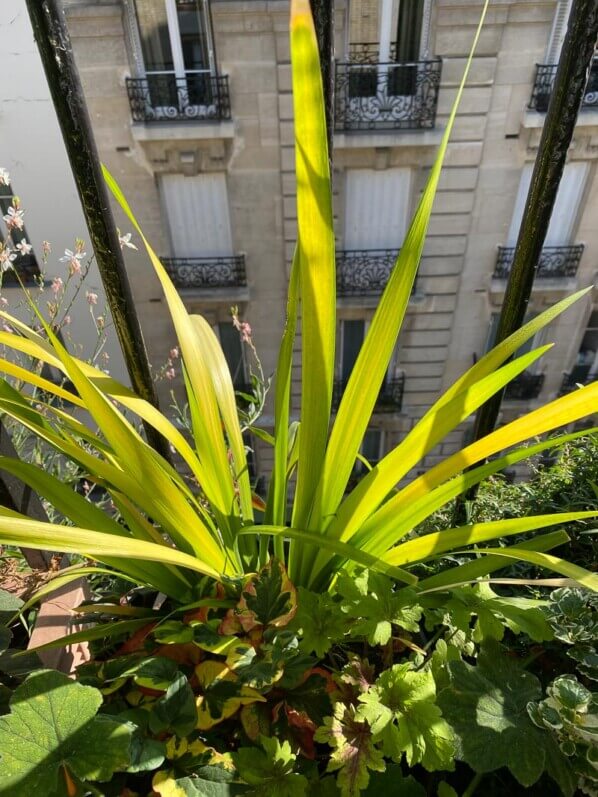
(495, 135)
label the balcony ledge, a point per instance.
(230, 294)
(182, 130)
(362, 139)
(541, 284)
(534, 119)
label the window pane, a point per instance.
(153, 31)
(353, 332)
(233, 351)
(370, 448)
(193, 35)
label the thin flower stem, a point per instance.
(474, 783)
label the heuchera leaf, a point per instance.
(268, 599)
(166, 784)
(486, 707)
(270, 770)
(222, 694)
(320, 620)
(374, 608)
(402, 713)
(53, 737)
(354, 752)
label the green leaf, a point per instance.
(176, 710)
(316, 259)
(486, 706)
(373, 608)
(167, 785)
(394, 782)
(353, 751)
(53, 734)
(146, 754)
(268, 599)
(9, 606)
(320, 622)
(402, 713)
(271, 770)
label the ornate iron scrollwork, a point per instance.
(363, 272)
(556, 262)
(198, 96)
(544, 81)
(206, 272)
(524, 387)
(390, 397)
(378, 96)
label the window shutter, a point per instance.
(557, 34)
(377, 204)
(197, 213)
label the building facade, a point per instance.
(192, 110)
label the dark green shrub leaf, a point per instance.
(176, 710)
(393, 782)
(320, 621)
(53, 733)
(486, 707)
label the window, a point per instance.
(376, 208)
(197, 213)
(586, 364)
(564, 214)
(533, 343)
(232, 347)
(25, 265)
(371, 450)
(177, 50)
(352, 335)
(557, 34)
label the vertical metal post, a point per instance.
(323, 14)
(55, 48)
(565, 101)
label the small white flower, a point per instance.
(14, 218)
(74, 260)
(7, 256)
(4, 177)
(92, 298)
(56, 285)
(24, 247)
(125, 240)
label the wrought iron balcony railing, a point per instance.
(524, 387)
(197, 97)
(580, 375)
(390, 397)
(206, 272)
(386, 96)
(364, 272)
(556, 262)
(544, 81)
(27, 269)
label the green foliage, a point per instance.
(573, 616)
(374, 607)
(53, 738)
(354, 753)
(486, 707)
(401, 711)
(319, 621)
(570, 715)
(270, 770)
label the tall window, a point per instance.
(586, 364)
(352, 335)
(564, 214)
(533, 343)
(377, 208)
(233, 352)
(197, 212)
(25, 264)
(177, 50)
